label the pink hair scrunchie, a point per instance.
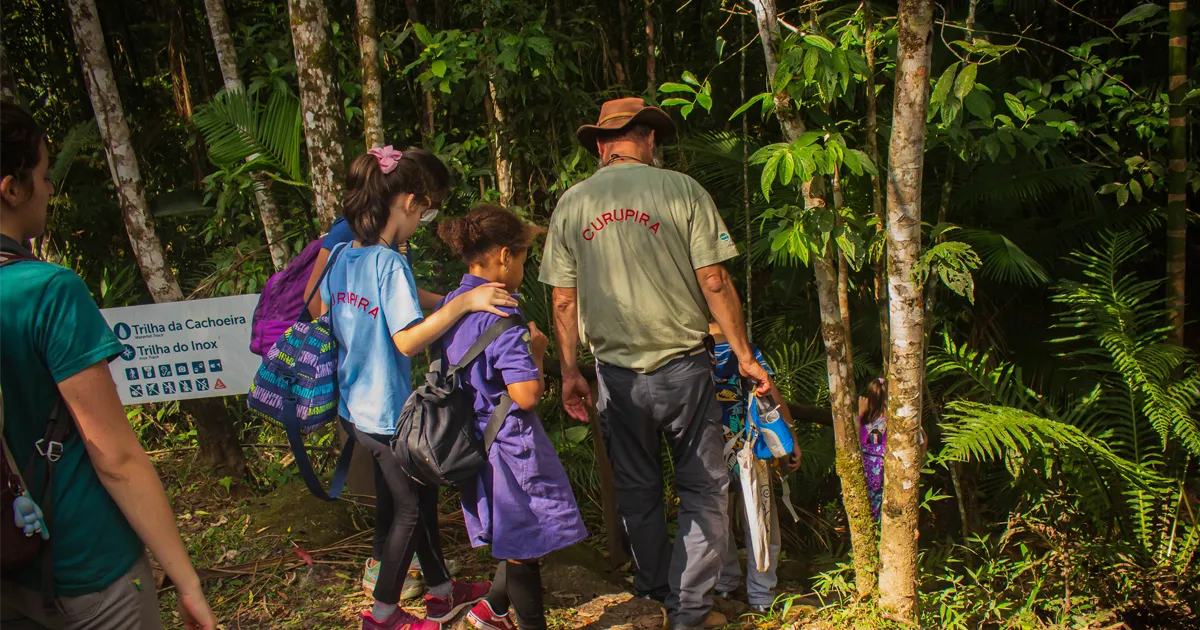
(387, 157)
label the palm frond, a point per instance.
(963, 373)
(800, 371)
(1003, 260)
(241, 135)
(1024, 182)
(989, 433)
(82, 136)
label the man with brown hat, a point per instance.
(634, 255)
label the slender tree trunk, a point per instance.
(322, 110)
(504, 165)
(746, 194)
(651, 72)
(843, 269)
(216, 434)
(879, 265)
(273, 228)
(1177, 172)
(971, 21)
(372, 90)
(118, 144)
(427, 121)
(623, 7)
(843, 400)
(902, 461)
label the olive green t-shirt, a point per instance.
(51, 330)
(630, 239)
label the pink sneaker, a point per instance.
(399, 620)
(482, 617)
(461, 595)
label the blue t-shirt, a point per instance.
(371, 296)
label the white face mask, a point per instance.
(428, 216)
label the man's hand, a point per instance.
(755, 372)
(576, 394)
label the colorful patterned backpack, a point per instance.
(296, 386)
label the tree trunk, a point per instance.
(902, 460)
(426, 121)
(651, 72)
(372, 90)
(848, 460)
(118, 145)
(843, 270)
(215, 432)
(879, 266)
(1177, 172)
(322, 110)
(218, 22)
(623, 7)
(504, 165)
(746, 194)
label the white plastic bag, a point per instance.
(756, 492)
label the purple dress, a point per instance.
(522, 504)
(874, 440)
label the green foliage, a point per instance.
(243, 137)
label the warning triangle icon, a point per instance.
(219, 385)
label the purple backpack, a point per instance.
(282, 301)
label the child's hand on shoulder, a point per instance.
(538, 341)
(487, 298)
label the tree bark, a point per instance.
(504, 166)
(427, 121)
(843, 270)
(623, 7)
(844, 403)
(651, 71)
(323, 115)
(879, 266)
(273, 228)
(215, 433)
(118, 145)
(372, 90)
(902, 460)
(1177, 171)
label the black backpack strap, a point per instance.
(496, 420)
(51, 448)
(491, 334)
(296, 440)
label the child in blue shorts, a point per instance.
(760, 586)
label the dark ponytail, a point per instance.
(486, 227)
(370, 192)
(20, 141)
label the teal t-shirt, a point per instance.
(50, 330)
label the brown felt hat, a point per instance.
(622, 112)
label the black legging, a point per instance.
(406, 522)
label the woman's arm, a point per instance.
(315, 308)
(413, 340)
(130, 479)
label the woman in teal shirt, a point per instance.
(109, 504)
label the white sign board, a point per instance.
(184, 350)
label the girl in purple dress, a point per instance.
(873, 434)
(522, 504)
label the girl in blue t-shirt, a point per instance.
(373, 302)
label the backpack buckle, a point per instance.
(51, 450)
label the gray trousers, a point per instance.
(129, 603)
(677, 401)
(760, 585)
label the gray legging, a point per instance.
(406, 522)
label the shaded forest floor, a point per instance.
(284, 559)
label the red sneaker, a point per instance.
(461, 595)
(399, 620)
(482, 617)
